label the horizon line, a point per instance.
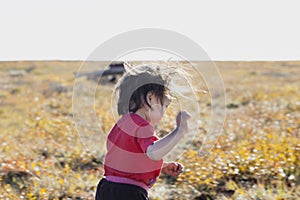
(70, 60)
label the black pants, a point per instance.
(108, 190)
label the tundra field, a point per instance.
(257, 156)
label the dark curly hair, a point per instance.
(135, 84)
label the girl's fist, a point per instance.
(173, 168)
(181, 121)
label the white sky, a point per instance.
(226, 30)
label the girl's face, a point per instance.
(157, 110)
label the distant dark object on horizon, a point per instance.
(114, 69)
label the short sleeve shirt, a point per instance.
(127, 144)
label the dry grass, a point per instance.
(257, 156)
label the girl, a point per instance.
(135, 154)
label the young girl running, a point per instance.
(134, 158)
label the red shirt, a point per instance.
(126, 156)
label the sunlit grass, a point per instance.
(256, 157)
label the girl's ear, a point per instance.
(150, 96)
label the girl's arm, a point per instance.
(163, 146)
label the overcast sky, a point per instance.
(226, 30)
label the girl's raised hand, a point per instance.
(181, 121)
